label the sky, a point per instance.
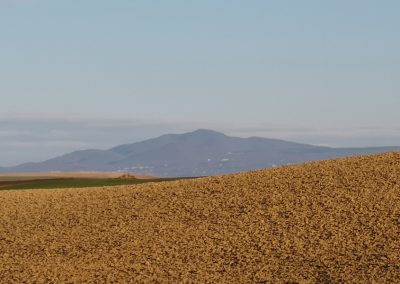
(96, 73)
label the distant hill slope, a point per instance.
(324, 222)
(199, 153)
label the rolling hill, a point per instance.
(335, 221)
(199, 153)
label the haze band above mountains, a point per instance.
(198, 153)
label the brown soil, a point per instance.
(17, 182)
(327, 222)
(52, 175)
(8, 183)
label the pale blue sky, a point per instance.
(321, 72)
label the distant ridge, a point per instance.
(200, 153)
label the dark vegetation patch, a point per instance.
(71, 183)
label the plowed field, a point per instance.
(325, 222)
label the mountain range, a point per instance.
(199, 153)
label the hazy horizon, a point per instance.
(96, 74)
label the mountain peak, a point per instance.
(199, 153)
(207, 132)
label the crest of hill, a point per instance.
(335, 221)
